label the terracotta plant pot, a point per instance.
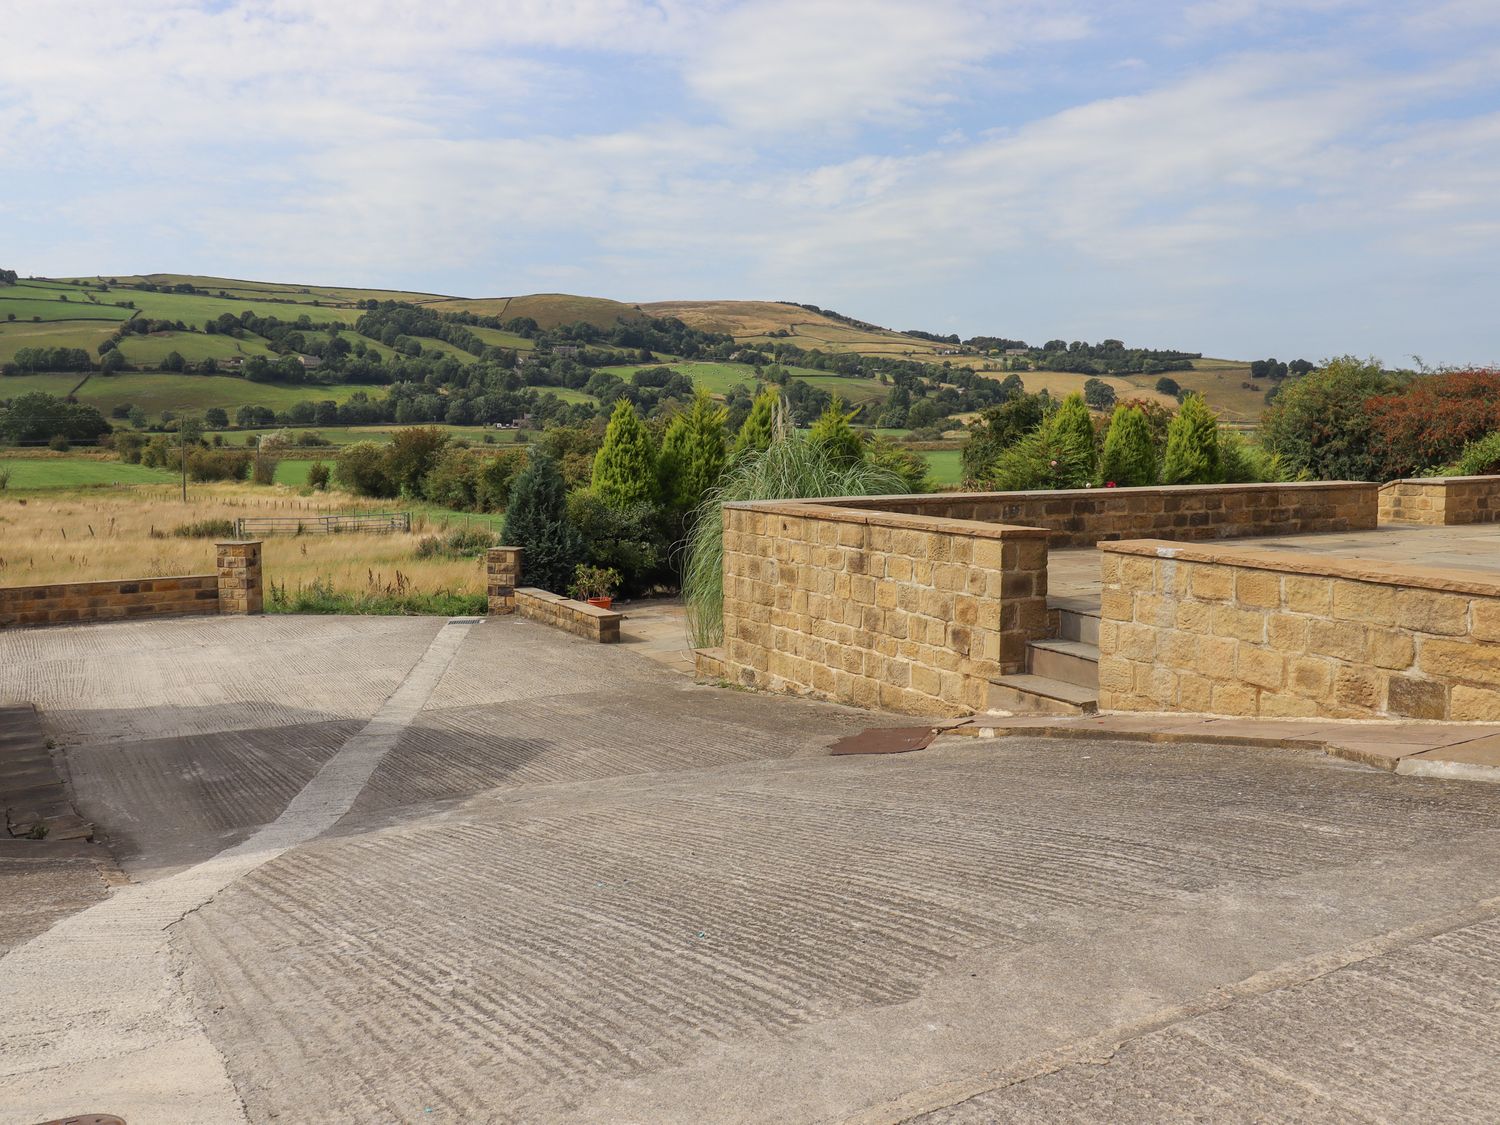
(602, 603)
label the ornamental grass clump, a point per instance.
(790, 467)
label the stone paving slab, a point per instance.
(1405, 748)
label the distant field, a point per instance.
(74, 472)
(193, 309)
(944, 466)
(502, 339)
(854, 392)
(154, 392)
(75, 308)
(85, 334)
(549, 310)
(148, 351)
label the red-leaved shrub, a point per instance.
(1428, 423)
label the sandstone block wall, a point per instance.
(1081, 517)
(907, 613)
(578, 618)
(503, 574)
(234, 587)
(1441, 500)
(240, 586)
(1223, 631)
(115, 600)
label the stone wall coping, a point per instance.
(1435, 481)
(573, 604)
(95, 582)
(838, 513)
(939, 498)
(1453, 580)
(238, 542)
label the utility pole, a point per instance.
(182, 447)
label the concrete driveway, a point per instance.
(399, 870)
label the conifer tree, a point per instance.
(537, 522)
(693, 454)
(1192, 455)
(625, 466)
(833, 434)
(760, 423)
(1070, 433)
(1129, 459)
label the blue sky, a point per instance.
(1240, 177)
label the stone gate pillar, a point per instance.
(503, 571)
(239, 576)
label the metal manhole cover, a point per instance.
(885, 740)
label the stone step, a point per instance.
(1073, 662)
(1040, 695)
(1073, 625)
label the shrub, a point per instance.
(497, 476)
(264, 471)
(625, 466)
(996, 430)
(593, 582)
(790, 467)
(462, 543)
(453, 481)
(836, 437)
(537, 522)
(1318, 425)
(1431, 420)
(1129, 458)
(630, 540)
(217, 464)
(759, 426)
(1480, 458)
(905, 463)
(1057, 454)
(362, 468)
(1192, 455)
(317, 476)
(411, 455)
(693, 454)
(59, 443)
(205, 529)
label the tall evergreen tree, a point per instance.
(1129, 458)
(693, 454)
(760, 425)
(537, 522)
(1192, 455)
(1071, 430)
(833, 434)
(625, 466)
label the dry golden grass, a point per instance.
(86, 534)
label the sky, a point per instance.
(1244, 178)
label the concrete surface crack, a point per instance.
(97, 1003)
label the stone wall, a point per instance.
(1441, 500)
(240, 589)
(503, 574)
(115, 600)
(578, 618)
(909, 613)
(1081, 517)
(1222, 631)
(235, 587)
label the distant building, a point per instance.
(567, 351)
(309, 360)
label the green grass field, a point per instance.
(85, 334)
(193, 309)
(502, 339)
(148, 351)
(854, 392)
(75, 308)
(155, 392)
(75, 472)
(943, 466)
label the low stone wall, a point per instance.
(1222, 631)
(235, 587)
(909, 613)
(578, 618)
(1081, 517)
(1441, 500)
(502, 567)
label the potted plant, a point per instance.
(595, 585)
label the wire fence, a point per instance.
(376, 522)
